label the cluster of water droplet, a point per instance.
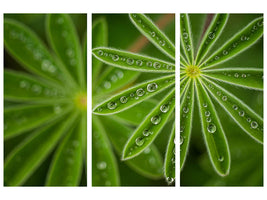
(113, 78)
(236, 74)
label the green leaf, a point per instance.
(83, 128)
(169, 164)
(213, 133)
(186, 118)
(66, 166)
(186, 38)
(21, 118)
(244, 116)
(183, 85)
(212, 34)
(104, 166)
(25, 46)
(100, 38)
(237, 44)
(149, 163)
(64, 40)
(132, 61)
(19, 86)
(183, 61)
(85, 61)
(134, 95)
(30, 154)
(153, 34)
(147, 131)
(251, 78)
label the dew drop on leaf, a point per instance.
(119, 74)
(170, 180)
(123, 99)
(140, 92)
(24, 84)
(221, 158)
(235, 107)
(181, 140)
(248, 120)
(57, 109)
(101, 165)
(151, 87)
(139, 141)
(224, 98)
(205, 105)
(130, 61)
(139, 62)
(207, 113)
(211, 35)
(211, 128)
(100, 53)
(147, 132)
(155, 119)
(156, 65)
(149, 64)
(115, 58)
(208, 119)
(236, 75)
(241, 113)
(185, 109)
(254, 124)
(107, 84)
(164, 108)
(112, 105)
(244, 75)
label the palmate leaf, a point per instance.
(213, 133)
(147, 131)
(30, 154)
(237, 44)
(132, 61)
(134, 95)
(153, 34)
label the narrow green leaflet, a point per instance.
(186, 118)
(147, 131)
(30, 154)
(30, 51)
(212, 34)
(183, 85)
(186, 38)
(100, 35)
(64, 40)
(83, 128)
(153, 34)
(237, 44)
(66, 167)
(132, 61)
(244, 116)
(134, 95)
(104, 166)
(19, 86)
(183, 61)
(85, 61)
(213, 133)
(21, 118)
(149, 163)
(244, 77)
(169, 164)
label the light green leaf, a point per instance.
(19, 86)
(183, 85)
(147, 131)
(186, 118)
(211, 35)
(134, 95)
(169, 164)
(186, 38)
(213, 133)
(183, 61)
(64, 40)
(237, 44)
(244, 116)
(30, 154)
(21, 118)
(25, 46)
(104, 166)
(132, 61)
(66, 166)
(85, 61)
(149, 163)
(100, 39)
(244, 77)
(83, 129)
(153, 34)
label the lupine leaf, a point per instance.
(85, 60)
(66, 166)
(64, 40)
(183, 85)
(19, 86)
(104, 167)
(100, 38)
(183, 61)
(186, 118)
(244, 116)
(153, 34)
(213, 133)
(169, 164)
(29, 50)
(244, 77)
(237, 44)
(186, 38)
(83, 128)
(21, 118)
(30, 154)
(212, 34)
(150, 127)
(134, 95)
(132, 61)
(149, 163)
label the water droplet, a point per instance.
(112, 105)
(113, 78)
(243, 38)
(24, 84)
(156, 65)
(260, 23)
(248, 120)
(211, 35)
(221, 158)
(181, 140)
(211, 128)
(164, 108)
(100, 53)
(123, 99)
(151, 87)
(162, 43)
(217, 57)
(36, 89)
(115, 58)
(205, 105)
(185, 35)
(254, 124)
(225, 52)
(235, 107)
(219, 93)
(119, 74)
(149, 64)
(208, 119)
(182, 129)
(132, 95)
(57, 109)
(241, 113)
(185, 109)
(140, 92)
(139, 141)
(236, 75)
(60, 20)
(130, 61)
(207, 113)
(224, 98)
(244, 75)
(153, 34)
(170, 180)
(147, 132)
(107, 84)
(139, 62)
(70, 52)
(101, 165)
(155, 119)
(188, 47)
(147, 150)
